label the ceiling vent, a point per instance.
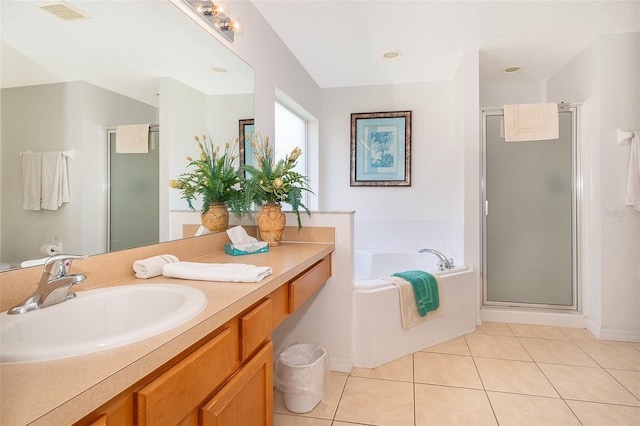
(63, 10)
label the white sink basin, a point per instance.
(97, 320)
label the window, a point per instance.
(291, 132)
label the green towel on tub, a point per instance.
(425, 288)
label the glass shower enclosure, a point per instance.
(529, 220)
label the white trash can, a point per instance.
(302, 374)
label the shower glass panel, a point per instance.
(133, 196)
(529, 218)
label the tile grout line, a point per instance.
(575, 415)
(484, 389)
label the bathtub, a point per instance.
(378, 333)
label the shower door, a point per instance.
(133, 219)
(529, 229)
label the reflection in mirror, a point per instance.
(65, 84)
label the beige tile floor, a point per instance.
(503, 374)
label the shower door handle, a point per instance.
(486, 207)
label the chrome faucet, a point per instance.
(54, 284)
(444, 263)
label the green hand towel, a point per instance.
(425, 288)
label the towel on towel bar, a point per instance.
(31, 180)
(409, 313)
(633, 179)
(226, 272)
(55, 180)
(45, 179)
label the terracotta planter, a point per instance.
(271, 222)
(216, 219)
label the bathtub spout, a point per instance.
(444, 263)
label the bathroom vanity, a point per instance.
(215, 369)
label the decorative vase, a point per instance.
(271, 222)
(216, 219)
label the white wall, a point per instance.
(467, 100)
(497, 95)
(606, 77)
(57, 117)
(327, 317)
(407, 218)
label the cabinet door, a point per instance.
(247, 399)
(255, 328)
(118, 412)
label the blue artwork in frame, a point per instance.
(246, 132)
(381, 149)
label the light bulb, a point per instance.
(236, 26)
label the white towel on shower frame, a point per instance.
(531, 122)
(132, 139)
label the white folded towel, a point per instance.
(55, 180)
(132, 139)
(31, 180)
(531, 122)
(152, 266)
(227, 272)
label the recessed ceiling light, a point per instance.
(391, 55)
(511, 70)
(219, 70)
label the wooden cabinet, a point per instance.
(118, 412)
(255, 328)
(224, 380)
(303, 286)
(175, 394)
(247, 400)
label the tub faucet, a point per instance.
(444, 263)
(54, 284)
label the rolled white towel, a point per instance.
(152, 266)
(227, 272)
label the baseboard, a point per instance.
(619, 335)
(341, 365)
(536, 317)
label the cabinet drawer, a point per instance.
(180, 390)
(255, 327)
(302, 287)
(247, 399)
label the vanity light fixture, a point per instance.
(216, 16)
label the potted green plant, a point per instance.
(270, 183)
(216, 178)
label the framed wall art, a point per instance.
(381, 149)
(246, 131)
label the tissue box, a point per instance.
(246, 248)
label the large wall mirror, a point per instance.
(67, 83)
